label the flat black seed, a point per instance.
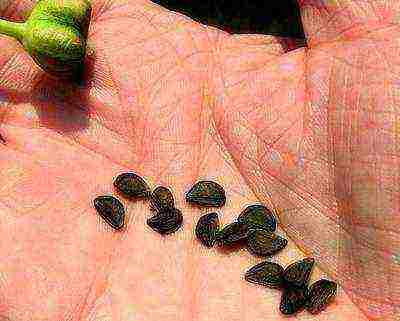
(263, 243)
(232, 233)
(166, 222)
(131, 185)
(258, 216)
(293, 300)
(162, 199)
(111, 210)
(320, 294)
(265, 273)
(206, 193)
(298, 273)
(207, 228)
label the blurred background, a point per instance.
(280, 18)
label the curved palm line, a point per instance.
(275, 209)
(236, 165)
(218, 125)
(21, 213)
(360, 242)
(101, 123)
(301, 247)
(325, 25)
(294, 191)
(361, 294)
(352, 65)
(168, 71)
(62, 141)
(39, 164)
(107, 5)
(264, 98)
(85, 302)
(365, 237)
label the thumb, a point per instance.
(325, 20)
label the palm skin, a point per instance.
(310, 132)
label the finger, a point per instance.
(267, 44)
(325, 20)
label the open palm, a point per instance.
(311, 133)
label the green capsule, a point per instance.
(55, 36)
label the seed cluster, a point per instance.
(166, 220)
(255, 227)
(293, 280)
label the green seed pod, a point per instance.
(55, 35)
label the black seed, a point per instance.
(111, 210)
(263, 243)
(298, 273)
(320, 294)
(206, 193)
(207, 228)
(162, 199)
(131, 185)
(232, 233)
(265, 273)
(166, 222)
(292, 300)
(258, 216)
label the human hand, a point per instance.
(175, 101)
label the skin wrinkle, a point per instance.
(228, 143)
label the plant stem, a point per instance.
(12, 29)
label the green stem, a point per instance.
(12, 29)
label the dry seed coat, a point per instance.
(111, 210)
(292, 300)
(131, 185)
(232, 233)
(298, 273)
(263, 243)
(166, 222)
(258, 216)
(162, 199)
(206, 193)
(320, 294)
(207, 228)
(265, 273)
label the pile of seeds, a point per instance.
(255, 226)
(166, 220)
(293, 281)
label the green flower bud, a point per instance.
(55, 35)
